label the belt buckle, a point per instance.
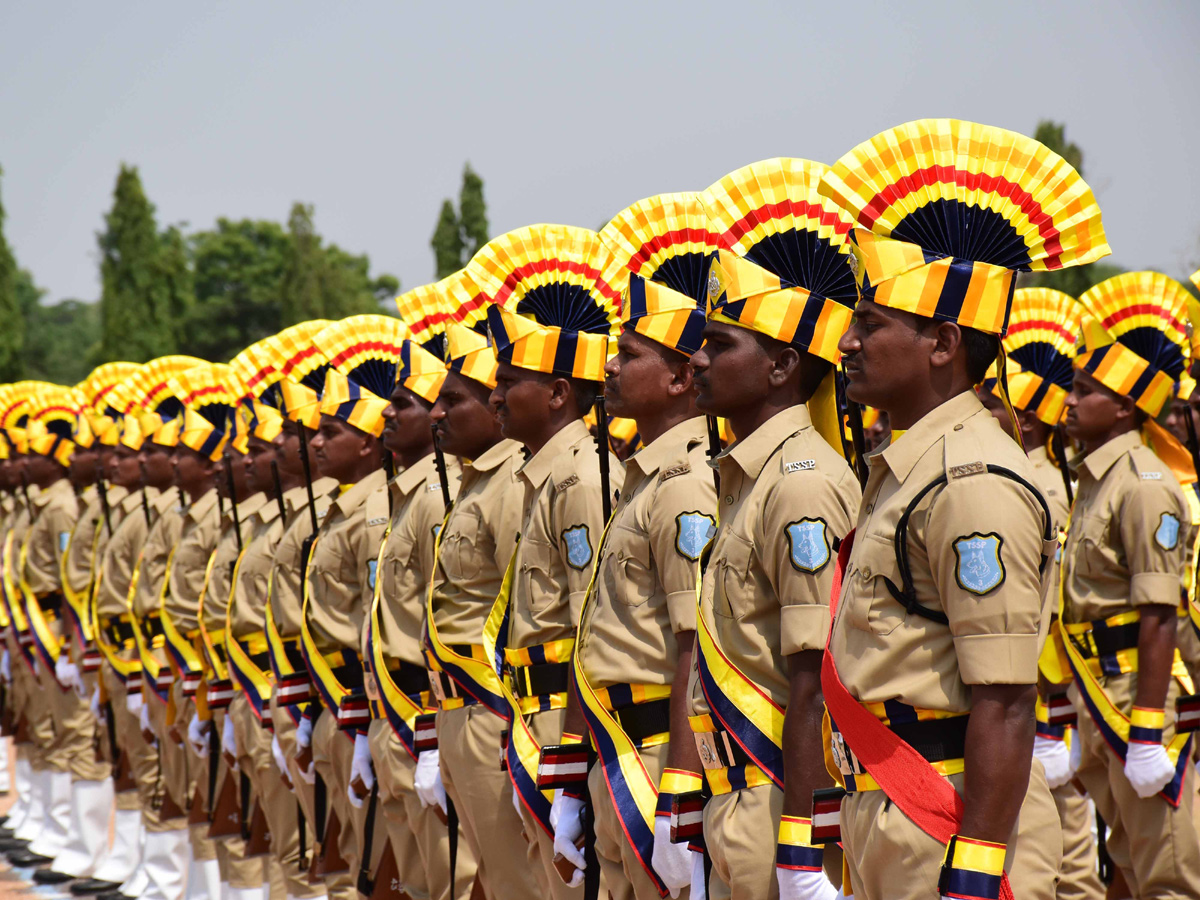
(371, 686)
(435, 688)
(714, 749)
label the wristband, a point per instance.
(1146, 725)
(795, 849)
(673, 782)
(972, 869)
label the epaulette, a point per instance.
(375, 510)
(963, 454)
(678, 469)
(791, 459)
(1147, 465)
(563, 472)
(573, 478)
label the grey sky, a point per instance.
(570, 111)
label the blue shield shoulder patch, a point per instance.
(371, 566)
(980, 568)
(64, 538)
(810, 544)
(693, 532)
(1167, 535)
(579, 548)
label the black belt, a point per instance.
(261, 661)
(154, 625)
(350, 674)
(935, 739)
(408, 678)
(541, 679)
(1112, 639)
(645, 720)
(51, 602)
(119, 632)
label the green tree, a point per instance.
(137, 321)
(12, 333)
(175, 271)
(1073, 280)
(472, 213)
(447, 242)
(62, 339)
(302, 298)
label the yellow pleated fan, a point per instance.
(51, 414)
(1138, 344)
(785, 269)
(363, 353)
(555, 295)
(425, 311)
(667, 244)
(101, 381)
(1043, 329)
(946, 210)
(208, 404)
(468, 348)
(295, 370)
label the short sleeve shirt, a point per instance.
(155, 569)
(564, 517)
(975, 550)
(477, 543)
(89, 538)
(120, 556)
(189, 567)
(787, 500)
(215, 605)
(56, 511)
(247, 603)
(1126, 546)
(645, 589)
(287, 571)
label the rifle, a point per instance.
(278, 492)
(714, 449)
(603, 450)
(102, 490)
(1058, 445)
(439, 461)
(237, 520)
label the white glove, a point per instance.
(1076, 752)
(144, 720)
(304, 733)
(360, 767)
(516, 802)
(699, 889)
(6, 667)
(96, 710)
(797, 885)
(672, 862)
(1055, 758)
(1148, 768)
(280, 761)
(568, 829)
(134, 702)
(427, 780)
(229, 739)
(197, 736)
(67, 672)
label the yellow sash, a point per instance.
(49, 645)
(77, 603)
(331, 690)
(255, 683)
(216, 665)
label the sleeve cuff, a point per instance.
(804, 627)
(997, 658)
(1160, 588)
(681, 606)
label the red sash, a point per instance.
(901, 772)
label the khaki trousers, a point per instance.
(890, 858)
(172, 758)
(204, 848)
(278, 804)
(39, 718)
(740, 830)
(547, 728)
(420, 842)
(333, 753)
(142, 757)
(469, 750)
(624, 874)
(237, 870)
(1157, 847)
(1078, 878)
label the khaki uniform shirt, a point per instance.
(646, 576)
(90, 537)
(407, 561)
(247, 602)
(215, 605)
(975, 546)
(477, 543)
(287, 572)
(1125, 547)
(564, 518)
(339, 567)
(194, 545)
(55, 512)
(119, 560)
(787, 499)
(1047, 478)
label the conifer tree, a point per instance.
(447, 242)
(12, 319)
(472, 213)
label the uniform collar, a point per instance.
(200, 508)
(246, 508)
(902, 456)
(494, 455)
(537, 469)
(1098, 462)
(408, 480)
(133, 499)
(666, 446)
(752, 452)
(60, 488)
(358, 493)
(1038, 456)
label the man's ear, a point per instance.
(947, 338)
(681, 380)
(560, 392)
(1126, 406)
(783, 366)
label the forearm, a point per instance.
(804, 760)
(681, 751)
(999, 752)
(574, 721)
(1156, 655)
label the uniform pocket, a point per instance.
(534, 572)
(871, 605)
(459, 554)
(734, 582)
(635, 581)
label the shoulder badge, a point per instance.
(1151, 476)
(567, 482)
(1167, 535)
(979, 568)
(64, 538)
(579, 548)
(799, 465)
(680, 469)
(437, 531)
(372, 565)
(810, 544)
(693, 532)
(433, 486)
(378, 520)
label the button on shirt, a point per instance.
(975, 545)
(564, 517)
(646, 578)
(788, 497)
(477, 543)
(1127, 543)
(287, 571)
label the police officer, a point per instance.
(930, 672)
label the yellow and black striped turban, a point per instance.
(783, 269)
(295, 370)
(1135, 336)
(159, 414)
(425, 310)
(1042, 332)
(946, 211)
(363, 353)
(208, 403)
(555, 295)
(667, 244)
(50, 423)
(98, 415)
(468, 346)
